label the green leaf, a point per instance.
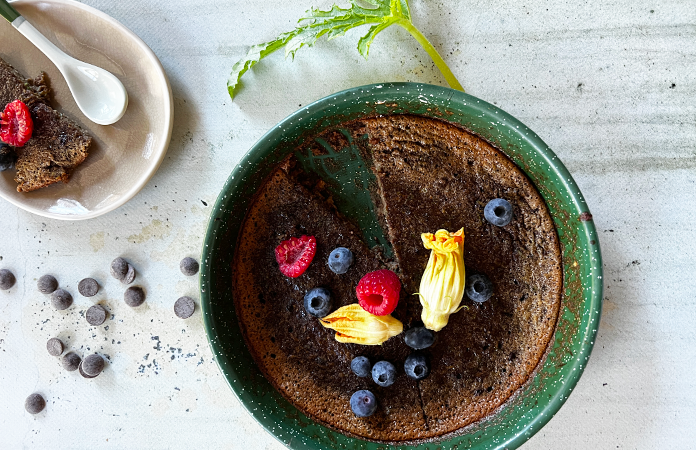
(332, 23)
(336, 22)
(254, 55)
(365, 41)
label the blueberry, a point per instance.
(419, 338)
(361, 366)
(8, 157)
(317, 302)
(363, 403)
(498, 212)
(478, 288)
(384, 373)
(340, 260)
(416, 366)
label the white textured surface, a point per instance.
(609, 85)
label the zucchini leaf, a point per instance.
(333, 23)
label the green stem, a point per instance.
(8, 12)
(437, 59)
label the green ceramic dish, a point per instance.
(539, 400)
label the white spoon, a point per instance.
(99, 94)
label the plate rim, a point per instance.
(168, 117)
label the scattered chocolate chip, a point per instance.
(34, 404)
(88, 287)
(91, 366)
(54, 347)
(130, 275)
(95, 315)
(184, 307)
(7, 279)
(70, 361)
(84, 375)
(61, 299)
(47, 284)
(134, 296)
(119, 268)
(188, 266)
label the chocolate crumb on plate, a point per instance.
(88, 287)
(91, 366)
(47, 284)
(7, 279)
(61, 299)
(188, 266)
(34, 404)
(70, 361)
(134, 296)
(184, 307)
(119, 268)
(54, 347)
(96, 315)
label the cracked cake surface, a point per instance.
(430, 175)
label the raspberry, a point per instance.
(378, 292)
(16, 125)
(295, 254)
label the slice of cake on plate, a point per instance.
(58, 145)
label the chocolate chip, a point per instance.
(84, 375)
(34, 404)
(95, 315)
(47, 284)
(119, 268)
(184, 307)
(188, 266)
(91, 366)
(70, 361)
(61, 299)
(7, 279)
(130, 275)
(54, 347)
(134, 296)
(88, 287)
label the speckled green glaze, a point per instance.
(539, 400)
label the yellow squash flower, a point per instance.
(442, 285)
(354, 325)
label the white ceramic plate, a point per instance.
(123, 156)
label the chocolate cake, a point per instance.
(58, 144)
(13, 86)
(430, 175)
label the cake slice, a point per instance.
(300, 357)
(56, 148)
(58, 144)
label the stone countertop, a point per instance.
(609, 85)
